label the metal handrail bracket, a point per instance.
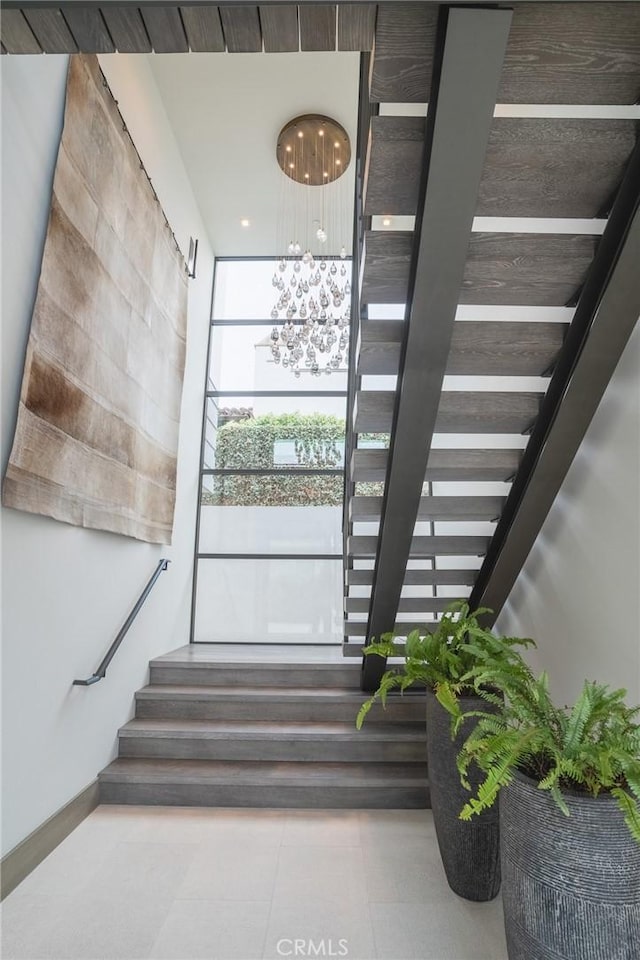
(111, 652)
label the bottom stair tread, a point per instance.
(291, 773)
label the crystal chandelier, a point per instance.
(312, 289)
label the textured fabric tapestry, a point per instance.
(97, 433)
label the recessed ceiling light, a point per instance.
(336, 144)
(386, 222)
(300, 133)
(245, 223)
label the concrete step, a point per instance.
(328, 704)
(280, 674)
(264, 784)
(242, 740)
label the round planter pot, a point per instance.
(571, 885)
(470, 850)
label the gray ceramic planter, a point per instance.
(571, 885)
(470, 850)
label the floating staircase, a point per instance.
(210, 733)
(518, 287)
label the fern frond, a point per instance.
(630, 810)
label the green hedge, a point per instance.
(250, 443)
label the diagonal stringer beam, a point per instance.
(469, 54)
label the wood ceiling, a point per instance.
(173, 28)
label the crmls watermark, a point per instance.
(301, 947)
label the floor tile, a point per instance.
(321, 828)
(320, 874)
(409, 874)
(151, 870)
(82, 928)
(227, 870)
(201, 825)
(384, 827)
(226, 884)
(452, 929)
(197, 929)
(320, 929)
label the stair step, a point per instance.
(333, 704)
(306, 742)
(416, 605)
(369, 509)
(444, 464)
(415, 578)
(264, 784)
(460, 411)
(280, 674)
(424, 547)
(478, 347)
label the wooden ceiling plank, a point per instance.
(478, 348)
(446, 464)
(127, 29)
(419, 578)
(402, 60)
(241, 25)
(51, 30)
(576, 53)
(396, 148)
(365, 508)
(356, 24)
(458, 412)
(203, 29)
(17, 36)
(280, 30)
(317, 26)
(554, 167)
(88, 28)
(525, 269)
(165, 29)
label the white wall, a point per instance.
(578, 594)
(66, 590)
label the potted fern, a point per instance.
(568, 781)
(445, 660)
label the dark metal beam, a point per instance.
(605, 317)
(469, 55)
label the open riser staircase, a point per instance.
(266, 735)
(515, 296)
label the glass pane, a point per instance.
(269, 601)
(242, 359)
(237, 490)
(252, 527)
(271, 432)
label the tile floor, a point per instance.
(222, 884)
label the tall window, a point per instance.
(269, 555)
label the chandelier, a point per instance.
(312, 289)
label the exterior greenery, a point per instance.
(317, 442)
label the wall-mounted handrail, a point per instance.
(111, 652)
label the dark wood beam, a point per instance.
(605, 317)
(472, 47)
